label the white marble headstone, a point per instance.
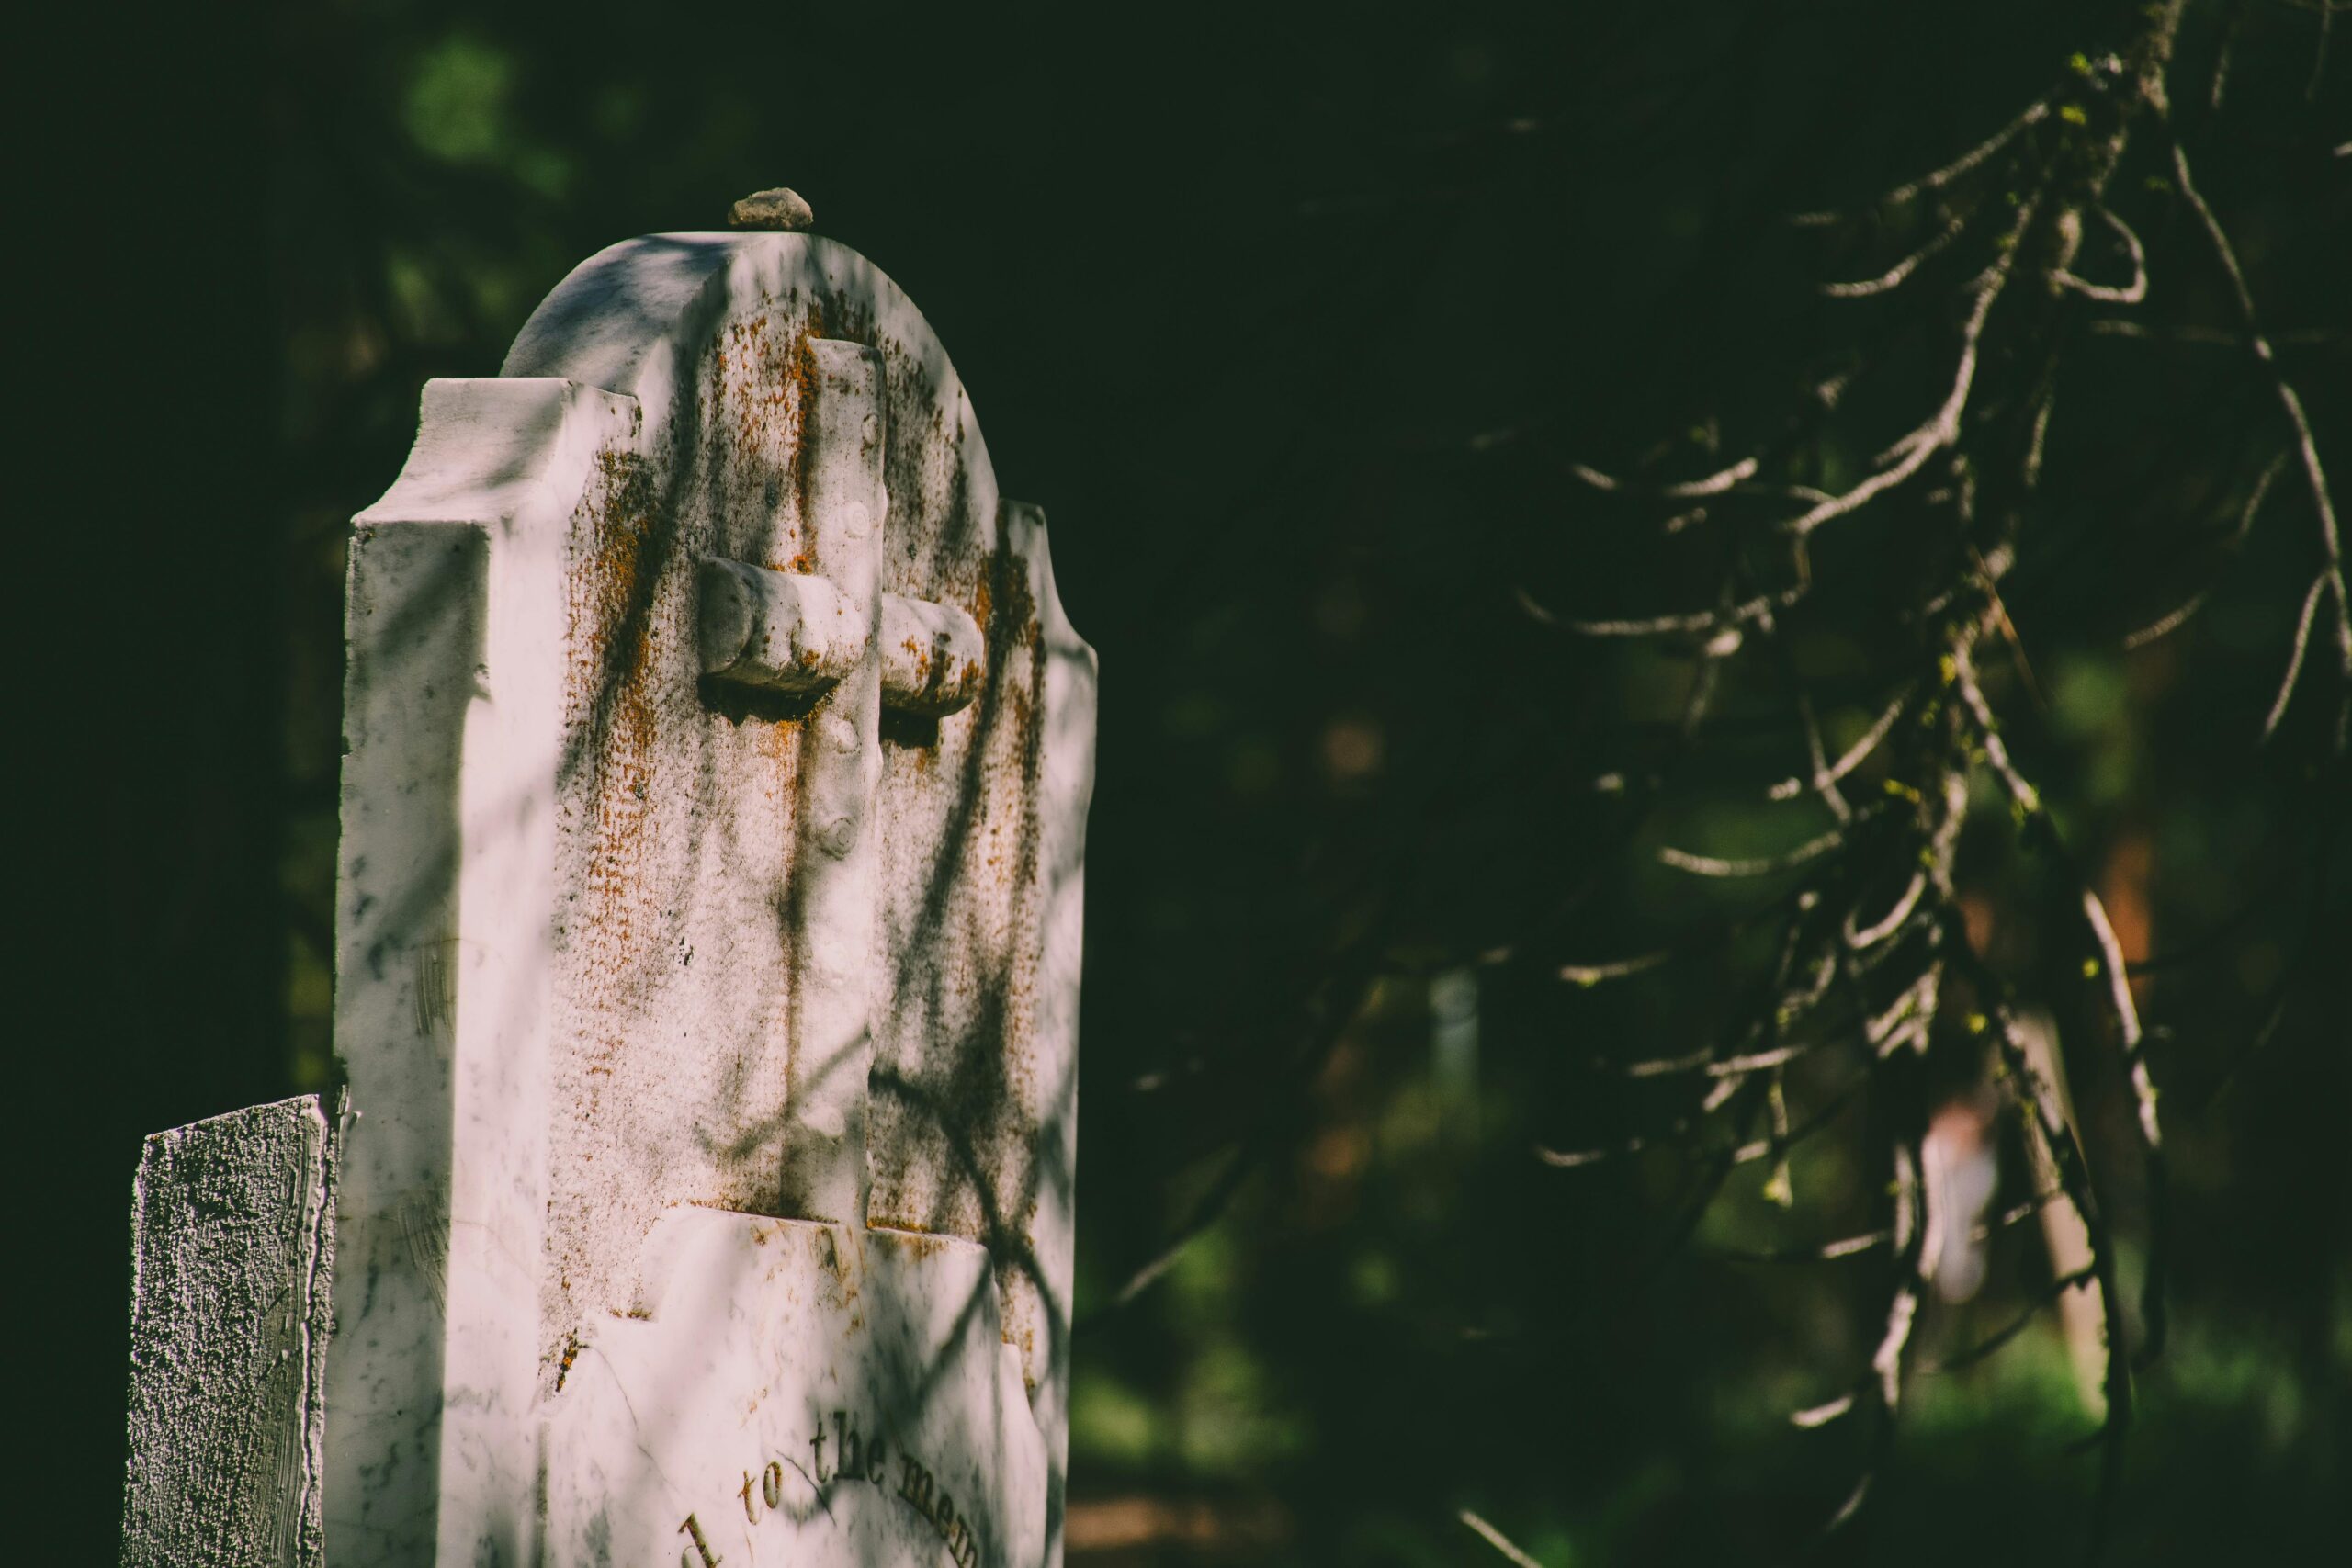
(713, 815)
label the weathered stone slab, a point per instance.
(668, 886)
(231, 1253)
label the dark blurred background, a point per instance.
(1293, 317)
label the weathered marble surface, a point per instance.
(781, 1392)
(232, 1249)
(621, 941)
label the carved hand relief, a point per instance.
(714, 824)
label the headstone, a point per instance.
(231, 1248)
(717, 760)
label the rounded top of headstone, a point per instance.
(778, 209)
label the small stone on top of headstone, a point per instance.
(779, 210)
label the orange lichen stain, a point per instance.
(622, 546)
(916, 1241)
(794, 367)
